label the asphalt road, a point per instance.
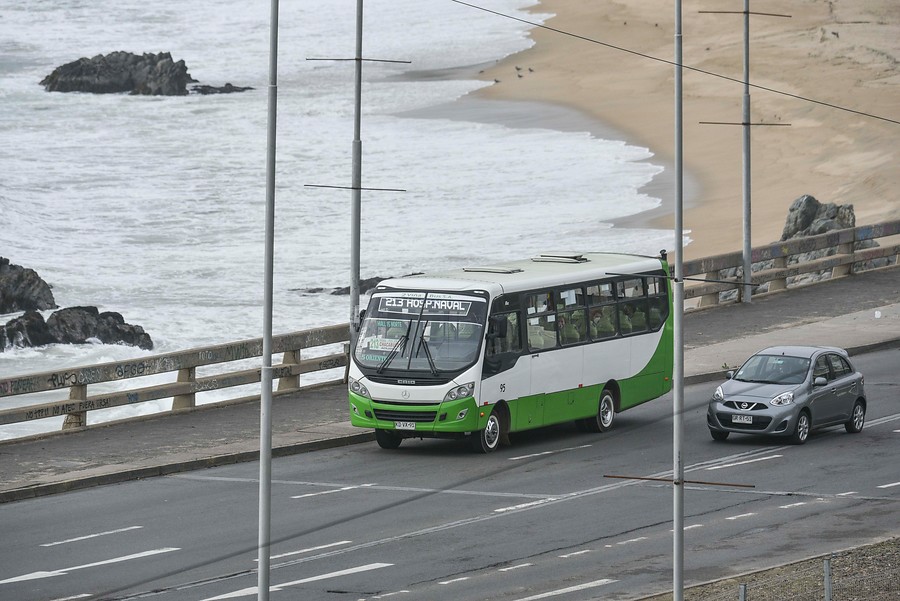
(536, 520)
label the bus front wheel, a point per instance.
(387, 439)
(488, 439)
(606, 413)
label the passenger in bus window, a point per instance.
(602, 323)
(624, 319)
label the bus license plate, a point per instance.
(405, 425)
(742, 419)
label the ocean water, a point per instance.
(154, 207)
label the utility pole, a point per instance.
(678, 323)
(746, 253)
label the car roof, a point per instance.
(801, 351)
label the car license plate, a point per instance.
(742, 419)
(405, 425)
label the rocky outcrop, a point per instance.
(23, 289)
(73, 325)
(117, 72)
(226, 89)
(365, 286)
(809, 217)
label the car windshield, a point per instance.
(419, 331)
(773, 369)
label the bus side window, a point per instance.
(511, 343)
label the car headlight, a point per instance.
(785, 398)
(460, 392)
(718, 395)
(359, 388)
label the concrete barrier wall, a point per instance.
(183, 365)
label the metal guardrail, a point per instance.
(187, 385)
(778, 255)
(184, 390)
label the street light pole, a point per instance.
(356, 184)
(265, 401)
(678, 338)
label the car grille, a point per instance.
(405, 416)
(760, 422)
(745, 406)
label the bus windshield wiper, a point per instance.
(423, 344)
(401, 342)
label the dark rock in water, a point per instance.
(27, 330)
(23, 289)
(74, 325)
(148, 74)
(226, 89)
(365, 286)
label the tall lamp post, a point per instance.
(265, 403)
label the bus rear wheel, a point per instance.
(387, 439)
(606, 413)
(488, 440)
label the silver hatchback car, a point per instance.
(789, 391)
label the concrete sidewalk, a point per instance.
(859, 313)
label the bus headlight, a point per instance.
(359, 388)
(460, 392)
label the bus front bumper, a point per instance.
(448, 418)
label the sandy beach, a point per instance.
(841, 52)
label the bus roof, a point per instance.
(544, 270)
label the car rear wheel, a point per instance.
(718, 434)
(857, 419)
(387, 439)
(801, 430)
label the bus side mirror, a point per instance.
(498, 327)
(362, 316)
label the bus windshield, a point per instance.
(421, 332)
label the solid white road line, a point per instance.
(584, 446)
(571, 589)
(309, 550)
(252, 590)
(719, 467)
(328, 492)
(87, 536)
(523, 505)
(64, 571)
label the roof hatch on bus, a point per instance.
(506, 270)
(560, 257)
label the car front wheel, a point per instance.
(857, 419)
(801, 430)
(718, 434)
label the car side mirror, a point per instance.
(820, 381)
(729, 374)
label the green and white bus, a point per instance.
(480, 352)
